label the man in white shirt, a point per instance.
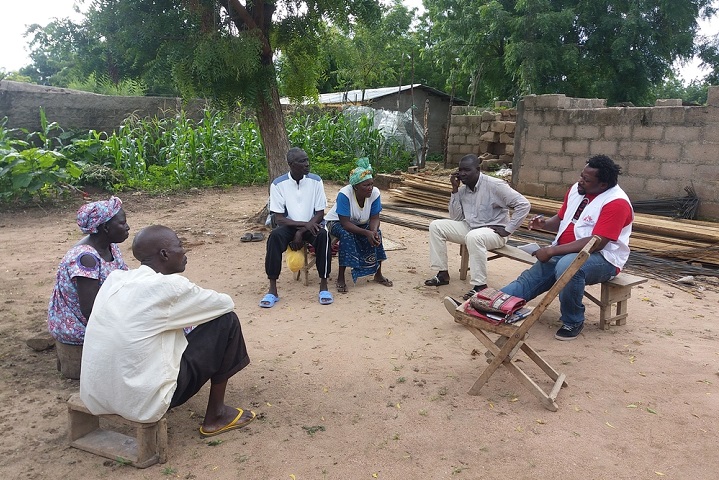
(138, 361)
(297, 202)
(480, 220)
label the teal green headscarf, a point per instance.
(362, 172)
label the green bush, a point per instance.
(28, 172)
(160, 154)
(333, 143)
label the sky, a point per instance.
(14, 22)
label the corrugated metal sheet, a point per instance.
(355, 96)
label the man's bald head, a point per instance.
(159, 248)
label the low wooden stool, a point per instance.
(309, 263)
(147, 447)
(69, 358)
(614, 294)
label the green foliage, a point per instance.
(313, 429)
(28, 172)
(695, 93)
(103, 85)
(709, 54)
(49, 135)
(468, 41)
(14, 76)
(221, 67)
(101, 176)
(375, 51)
(179, 153)
(54, 51)
(605, 48)
(366, 53)
(333, 143)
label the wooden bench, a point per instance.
(612, 299)
(147, 447)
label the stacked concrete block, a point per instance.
(668, 102)
(488, 134)
(661, 149)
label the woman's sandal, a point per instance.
(436, 282)
(341, 288)
(385, 281)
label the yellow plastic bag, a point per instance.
(295, 259)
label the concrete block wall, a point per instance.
(661, 149)
(72, 109)
(487, 134)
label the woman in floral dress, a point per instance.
(84, 267)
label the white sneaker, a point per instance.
(451, 304)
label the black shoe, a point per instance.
(569, 333)
(436, 281)
(473, 291)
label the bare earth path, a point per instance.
(375, 385)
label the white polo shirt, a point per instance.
(298, 201)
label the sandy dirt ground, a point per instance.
(375, 385)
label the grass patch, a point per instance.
(314, 429)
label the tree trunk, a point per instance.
(271, 121)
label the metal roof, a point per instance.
(355, 96)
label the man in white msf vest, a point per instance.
(595, 205)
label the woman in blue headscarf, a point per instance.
(85, 267)
(354, 220)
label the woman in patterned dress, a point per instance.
(354, 220)
(85, 267)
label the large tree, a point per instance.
(369, 53)
(616, 49)
(373, 54)
(709, 55)
(468, 40)
(219, 49)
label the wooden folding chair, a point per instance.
(512, 338)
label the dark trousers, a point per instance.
(280, 238)
(215, 351)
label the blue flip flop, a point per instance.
(326, 297)
(269, 300)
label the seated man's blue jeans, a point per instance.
(541, 276)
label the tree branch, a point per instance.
(243, 20)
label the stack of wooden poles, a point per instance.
(686, 240)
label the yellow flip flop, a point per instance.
(234, 424)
